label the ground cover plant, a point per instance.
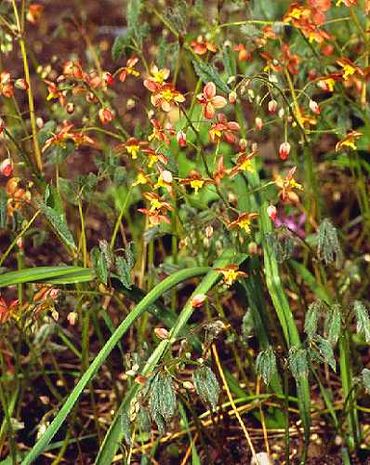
(184, 231)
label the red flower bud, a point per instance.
(6, 167)
(272, 212)
(259, 123)
(106, 115)
(272, 106)
(314, 107)
(284, 150)
(181, 138)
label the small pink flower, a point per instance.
(210, 101)
(284, 150)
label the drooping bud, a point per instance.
(181, 138)
(108, 79)
(161, 333)
(21, 84)
(232, 97)
(6, 167)
(314, 107)
(259, 123)
(106, 115)
(284, 150)
(272, 212)
(272, 106)
(198, 300)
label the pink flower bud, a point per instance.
(259, 123)
(284, 150)
(232, 97)
(6, 167)
(105, 115)
(198, 300)
(181, 138)
(272, 212)
(108, 78)
(272, 106)
(314, 107)
(161, 333)
(21, 84)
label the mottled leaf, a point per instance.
(206, 385)
(162, 400)
(362, 319)
(208, 73)
(266, 364)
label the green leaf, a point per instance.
(365, 374)
(208, 73)
(48, 274)
(59, 224)
(328, 248)
(333, 324)
(312, 317)
(206, 385)
(363, 319)
(119, 45)
(123, 272)
(325, 351)
(100, 264)
(162, 400)
(298, 363)
(3, 208)
(266, 364)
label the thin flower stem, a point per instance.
(31, 105)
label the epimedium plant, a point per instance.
(208, 149)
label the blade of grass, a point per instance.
(148, 300)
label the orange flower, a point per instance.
(161, 133)
(287, 185)
(195, 180)
(223, 129)
(349, 68)
(243, 54)
(18, 194)
(243, 222)
(129, 69)
(7, 309)
(201, 46)
(154, 156)
(231, 273)
(132, 146)
(348, 141)
(210, 101)
(34, 12)
(243, 163)
(158, 209)
(166, 96)
(157, 78)
(66, 133)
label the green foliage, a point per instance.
(3, 208)
(365, 374)
(333, 324)
(298, 362)
(124, 265)
(206, 385)
(328, 248)
(162, 399)
(312, 317)
(324, 350)
(362, 319)
(208, 73)
(266, 364)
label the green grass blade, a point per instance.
(148, 300)
(115, 433)
(51, 274)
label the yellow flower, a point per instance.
(197, 184)
(231, 274)
(141, 178)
